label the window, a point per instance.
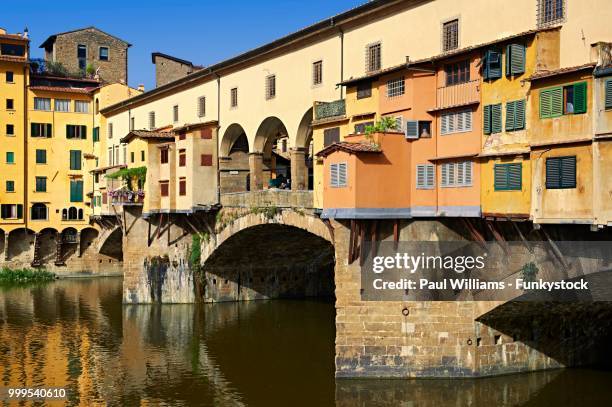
(39, 211)
(110, 130)
(515, 59)
(425, 176)
(492, 119)
(175, 113)
(364, 90)
(75, 159)
(151, 120)
(62, 105)
(457, 73)
(10, 157)
(492, 65)
(373, 57)
(103, 54)
(132, 159)
(10, 186)
(551, 12)
(41, 184)
(10, 104)
(163, 188)
(97, 106)
(82, 56)
(110, 156)
(73, 213)
(450, 35)
(163, 156)
(331, 136)
(182, 158)
(9, 77)
(338, 175)
(206, 160)
(81, 106)
(44, 130)
(270, 87)
(558, 101)
(76, 132)
(317, 73)
(395, 87)
(360, 128)
(142, 155)
(76, 190)
(234, 97)
(415, 129)
(561, 172)
(116, 154)
(201, 106)
(508, 177)
(182, 187)
(41, 156)
(457, 174)
(515, 115)
(42, 104)
(455, 122)
(11, 211)
(206, 134)
(12, 49)
(608, 92)
(10, 130)
(132, 123)
(96, 134)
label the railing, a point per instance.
(324, 110)
(458, 95)
(122, 197)
(268, 198)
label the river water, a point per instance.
(77, 335)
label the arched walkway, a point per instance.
(234, 160)
(112, 245)
(267, 160)
(280, 255)
(20, 246)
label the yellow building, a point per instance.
(13, 78)
(505, 165)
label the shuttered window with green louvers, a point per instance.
(76, 191)
(515, 59)
(561, 172)
(580, 97)
(508, 177)
(492, 119)
(492, 64)
(515, 115)
(551, 102)
(608, 92)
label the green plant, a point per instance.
(381, 126)
(90, 69)
(195, 255)
(139, 174)
(20, 276)
(269, 212)
(530, 271)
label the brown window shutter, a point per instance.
(182, 136)
(206, 160)
(206, 134)
(105, 198)
(163, 186)
(182, 187)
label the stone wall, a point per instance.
(168, 70)
(113, 70)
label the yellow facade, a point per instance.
(13, 79)
(511, 147)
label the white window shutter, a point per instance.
(444, 175)
(412, 129)
(420, 176)
(431, 170)
(468, 173)
(460, 174)
(342, 175)
(334, 175)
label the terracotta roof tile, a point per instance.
(348, 147)
(109, 167)
(146, 134)
(64, 89)
(561, 71)
(12, 58)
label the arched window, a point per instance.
(64, 214)
(72, 213)
(39, 211)
(80, 214)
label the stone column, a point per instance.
(79, 244)
(6, 246)
(256, 171)
(299, 171)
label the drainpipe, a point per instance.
(217, 141)
(26, 173)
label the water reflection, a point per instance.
(77, 335)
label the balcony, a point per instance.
(126, 197)
(463, 94)
(326, 110)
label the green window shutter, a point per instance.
(49, 130)
(580, 98)
(515, 177)
(608, 92)
(500, 177)
(96, 134)
(568, 172)
(553, 173)
(19, 211)
(69, 131)
(545, 104)
(510, 116)
(75, 159)
(34, 130)
(557, 102)
(515, 59)
(84, 132)
(519, 114)
(493, 69)
(76, 191)
(487, 119)
(496, 118)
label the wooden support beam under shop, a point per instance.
(160, 220)
(149, 232)
(396, 226)
(499, 238)
(555, 249)
(362, 237)
(374, 238)
(522, 236)
(476, 235)
(351, 249)
(191, 225)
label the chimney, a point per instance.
(141, 87)
(26, 33)
(601, 53)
